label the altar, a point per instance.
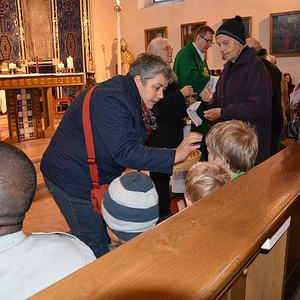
(48, 42)
(23, 102)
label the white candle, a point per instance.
(60, 65)
(70, 64)
(12, 66)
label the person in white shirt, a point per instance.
(31, 263)
(295, 96)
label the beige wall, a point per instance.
(134, 21)
(103, 31)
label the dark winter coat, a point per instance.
(243, 92)
(119, 135)
(275, 75)
(171, 111)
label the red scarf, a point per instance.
(148, 118)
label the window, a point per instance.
(149, 3)
(160, 1)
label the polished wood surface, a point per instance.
(26, 81)
(34, 149)
(44, 216)
(197, 253)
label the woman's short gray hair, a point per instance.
(148, 66)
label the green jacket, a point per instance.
(192, 70)
(236, 175)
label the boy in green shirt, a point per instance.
(232, 145)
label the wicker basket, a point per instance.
(185, 165)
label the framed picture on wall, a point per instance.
(188, 31)
(152, 33)
(247, 21)
(285, 34)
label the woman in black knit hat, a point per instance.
(243, 90)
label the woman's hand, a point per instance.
(212, 114)
(206, 95)
(187, 90)
(189, 144)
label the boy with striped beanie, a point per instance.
(129, 207)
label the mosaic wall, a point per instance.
(24, 114)
(9, 37)
(69, 31)
(70, 39)
(25, 118)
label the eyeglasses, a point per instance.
(209, 42)
(166, 49)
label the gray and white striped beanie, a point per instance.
(130, 206)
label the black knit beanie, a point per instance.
(233, 28)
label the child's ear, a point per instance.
(187, 201)
(222, 159)
(223, 163)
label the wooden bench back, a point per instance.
(197, 253)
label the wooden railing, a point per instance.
(210, 250)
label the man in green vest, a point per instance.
(191, 69)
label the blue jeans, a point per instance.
(84, 223)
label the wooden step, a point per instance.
(41, 194)
(40, 184)
(44, 216)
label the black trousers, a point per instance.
(162, 182)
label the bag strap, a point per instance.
(88, 135)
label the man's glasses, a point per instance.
(209, 42)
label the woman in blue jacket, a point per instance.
(122, 111)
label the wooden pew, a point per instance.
(211, 250)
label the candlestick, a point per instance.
(118, 10)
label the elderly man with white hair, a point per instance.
(243, 91)
(169, 133)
